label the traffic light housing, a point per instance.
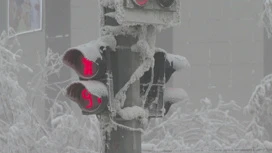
(91, 96)
(165, 65)
(91, 62)
(158, 12)
(86, 60)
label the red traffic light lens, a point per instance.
(88, 67)
(84, 67)
(140, 2)
(91, 96)
(90, 101)
(165, 3)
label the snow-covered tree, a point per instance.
(260, 104)
(207, 129)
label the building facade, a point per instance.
(224, 43)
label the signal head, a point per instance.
(86, 60)
(91, 96)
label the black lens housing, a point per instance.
(166, 3)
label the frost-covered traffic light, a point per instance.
(154, 80)
(92, 64)
(160, 12)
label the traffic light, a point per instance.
(91, 62)
(91, 96)
(165, 65)
(159, 12)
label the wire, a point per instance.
(127, 127)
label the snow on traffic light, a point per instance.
(90, 62)
(174, 63)
(173, 96)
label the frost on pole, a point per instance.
(130, 113)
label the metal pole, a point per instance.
(124, 64)
(123, 140)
